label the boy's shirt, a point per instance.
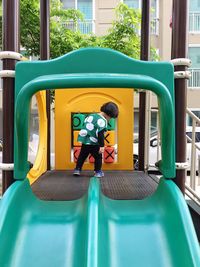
(93, 124)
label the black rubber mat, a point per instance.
(62, 185)
(128, 185)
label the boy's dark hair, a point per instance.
(110, 109)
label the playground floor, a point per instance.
(117, 185)
(62, 185)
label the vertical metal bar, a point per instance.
(193, 23)
(45, 54)
(179, 47)
(158, 137)
(10, 43)
(193, 157)
(198, 170)
(144, 55)
(147, 129)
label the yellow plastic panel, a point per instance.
(109, 138)
(75, 142)
(89, 101)
(40, 164)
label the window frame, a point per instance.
(93, 13)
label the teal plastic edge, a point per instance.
(94, 60)
(7, 200)
(169, 188)
(94, 80)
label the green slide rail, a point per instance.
(95, 231)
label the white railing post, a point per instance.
(198, 170)
(194, 163)
(193, 158)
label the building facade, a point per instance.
(99, 15)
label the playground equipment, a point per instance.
(95, 230)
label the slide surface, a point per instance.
(96, 231)
(153, 232)
(41, 233)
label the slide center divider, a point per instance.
(93, 220)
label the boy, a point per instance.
(92, 137)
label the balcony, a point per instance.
(85, 27)
(194, 22)
(155, 26)
(194, 81)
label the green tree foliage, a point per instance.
(62, 40)
(123, 35)
(30, 26)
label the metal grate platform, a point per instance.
(62, 185)
(127, 185)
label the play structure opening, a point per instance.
(71, 108)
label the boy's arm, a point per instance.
(101, 138)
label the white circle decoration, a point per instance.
(89, 119)
(89, 126)
(83, 132)
(101, 123)
(93, 139)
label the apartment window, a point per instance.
(194, 5)
(154, 12)
(86, 7)
(133, 3)
(154, 7)
(68, 4)
(193, 54)
(194, 16)
(154, 17)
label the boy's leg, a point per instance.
(97, 157)
(82, 156)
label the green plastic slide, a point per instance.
(97, 231)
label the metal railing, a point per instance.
(5, 74)
(88, 26)
(194, 81)
(193, 159)
(85, 27)
(155, 26)
(194, 22)
(194, 180)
